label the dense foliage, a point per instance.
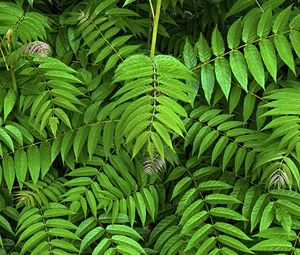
(149, 127)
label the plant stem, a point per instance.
(155, 29)
(13, 79)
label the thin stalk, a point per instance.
(155, 28)
(152, 9)
(13, 79)
(4, 59)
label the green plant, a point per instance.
(149, 127)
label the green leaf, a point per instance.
(9, 102)
(91, 237)
(6, 139)
(234, 34)
(63, 233)
(265, 24)
(217, 43)
(295, 40)
(93, 139)
(223, 75)
(239, 6)
(20, 160)
(267, 217)
(123, 240)
(255, 64)
(294, 170)
(257, 211)
(5, 225)
(250, 21)
(189, 56)
(221, 199)
(140, 142)
(228, 154)
(15, 133)
(272, 245)
(269, 56)
(32, 229)
(45, 152)
(284, 51)
(212, 185)
(239, 68)
(79, 141)
(233, 243)
(207, 246)
(150, 204)
(204, 50)
(59, 243)
(231, 230)
(62, 116)
(208, 81)
(56, 223)
(140, 206)
(102, 247)
(181, 186)
(34, 162)
(227, 213)
(199, 236)
(123, 230)
(92, 202)
(8, 171)
(281, 22)
(36, 238)
(249, 104)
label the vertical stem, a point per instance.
(155, 28)
(13, 79)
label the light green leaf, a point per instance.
(284, 50)
(265, 24)
(36, 238)
(9, 102)
(198, 236)
(234, 34)
(8, 171)
(123, 230)
(227, 213)
(239, 6)
(140, 206)
(208, 80)
(4, 137)
(123, 240)
(230, 229)
(273, 245)
(295, 40)
(221, 199)
(91, 237)
(239, 68)
(255, 64)
(189, 56)
(181, 186)
(204, 50)
(34, 162)
(140, 142)
(281, 22)
(217, 43)
(234, 243)
(20, 160)
(207, 246)
(92, 202)
(102, 246)
(269, 56)
(223, 75)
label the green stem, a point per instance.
(155, 29)
(13, 79)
